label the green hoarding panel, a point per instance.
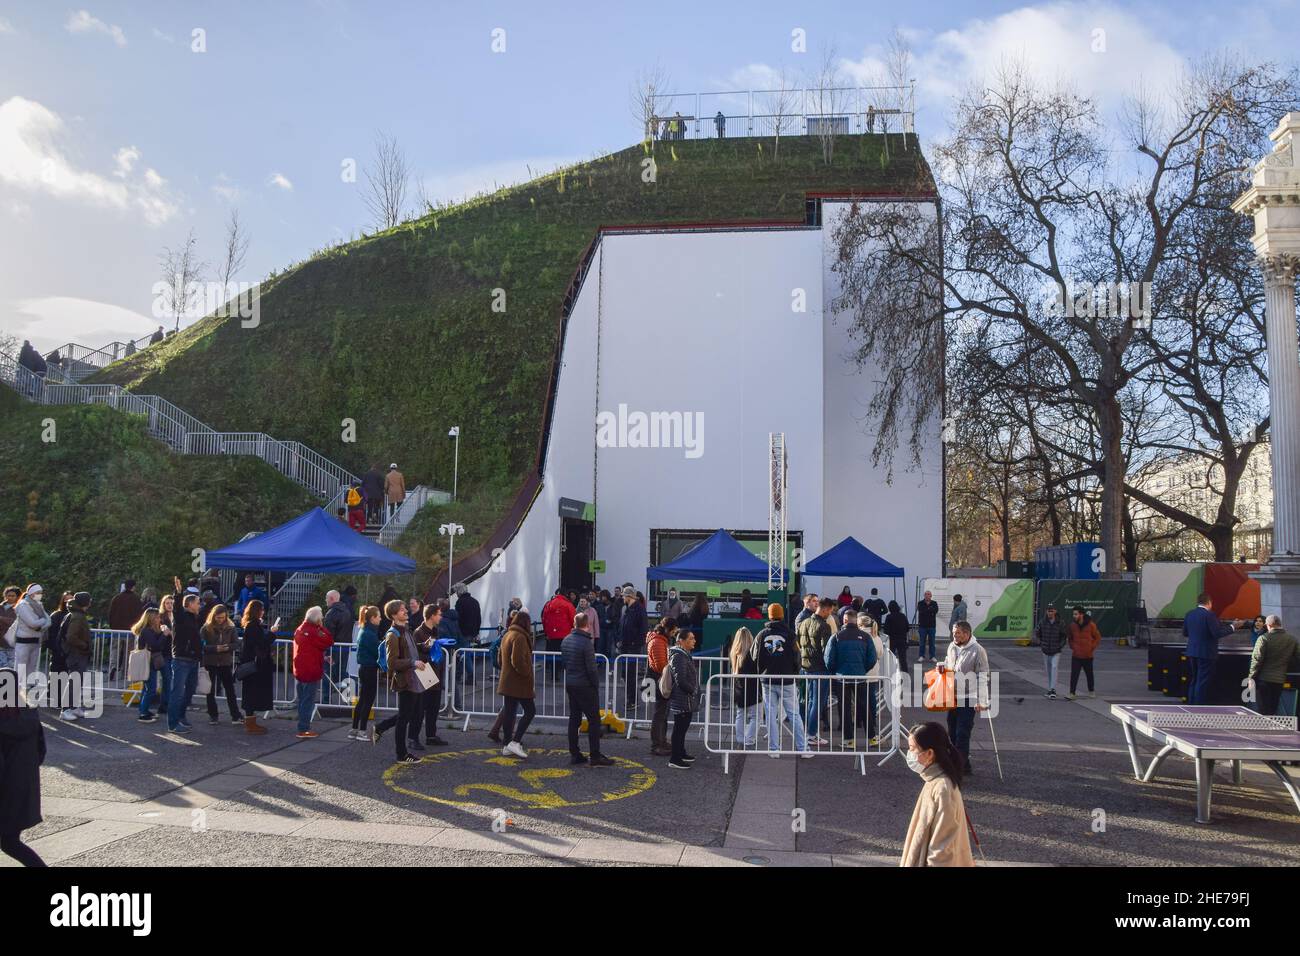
(1010, 614)
(1109, 603)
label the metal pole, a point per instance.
(455, 468)
(451, 555)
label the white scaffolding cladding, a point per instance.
(776, 536)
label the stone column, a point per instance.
(1284, 402)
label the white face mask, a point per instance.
(914, 762)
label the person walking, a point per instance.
(76, 649)
(927, 617)
(394, 489)
(311, 647)
(516, 683)
(403, 660)
(150, 637)
(219, 642)
(851, 653)
(187, 651)
(778, 662)
(813, 634)
(896, 628)
(1273, 655)
(743, 656)
(1051, 635)
(22, 751)
(1084, 641)
(685, 696)
(372, 486)
(958, 612)
(257, 650)
(937, 834)
(582, 686)
(969, 663)
(657, 643)
(367, 672)
(33, 624)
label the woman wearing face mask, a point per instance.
(937, 835)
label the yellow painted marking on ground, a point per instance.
(539, 796)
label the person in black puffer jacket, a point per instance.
(1051, 636)
(778, 661)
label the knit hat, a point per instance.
(775, 612)
(629, 592)
(81, 599)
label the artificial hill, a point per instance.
(397, 331)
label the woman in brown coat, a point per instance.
(516, 682)
(937, 834)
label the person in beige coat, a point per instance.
(937, 835)
(394, 488)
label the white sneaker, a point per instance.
(817, 741)
(68, 714)
(806, 756)
(1091, 694)
(774, 755)
(514, 749)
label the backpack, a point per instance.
(495, 651)
(54, 641)
(666, 678)
(383, 651)
(354, 497)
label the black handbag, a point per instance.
(246, 670)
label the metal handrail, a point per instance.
(792, 112)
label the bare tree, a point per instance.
(387, 179)
(825, 86)
(782, 105)
(232, 261)
(648, 96)
(1035, 206)
(182, 274)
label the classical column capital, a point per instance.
(1279, 267)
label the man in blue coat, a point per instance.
(1203, 629)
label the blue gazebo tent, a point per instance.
(851, 559)
(312, 542)
(720, 557)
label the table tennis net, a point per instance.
(1171, 720)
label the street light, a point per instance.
(450, 529)
(455, 468)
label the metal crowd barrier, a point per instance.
(765, 727)
(635, 703)
(474, 678)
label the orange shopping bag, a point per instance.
(940, 690)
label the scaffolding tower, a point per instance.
(776, 536)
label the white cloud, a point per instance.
(31, 161)
(6, 26)
(165, 37)
(227, 188)
(53, 320)
(83, 22)
(280, 180)
(125, 159)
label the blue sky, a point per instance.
(116, 138)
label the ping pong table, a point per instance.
(1207, 734)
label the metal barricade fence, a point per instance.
(474, 676)
(635, 703)
(757, 715)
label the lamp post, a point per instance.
(450, 529)
(455, 468)
(1273, 201)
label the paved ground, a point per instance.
(120, 793)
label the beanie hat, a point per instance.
(775, 612)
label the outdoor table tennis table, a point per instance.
(1207, 734)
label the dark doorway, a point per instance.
(577, 538)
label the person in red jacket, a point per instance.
(311, 645)
(557, 619)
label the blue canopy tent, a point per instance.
(719, 557)
(851, 559)
(312, 542)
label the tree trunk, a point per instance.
(1130, 541)
(1111, 428)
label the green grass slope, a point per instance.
(104, 501)
(397, 331)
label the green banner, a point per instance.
(1106, 602)
(1009, 615)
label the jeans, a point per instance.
(681, 724)
(961, 721)
(1053, 662)
(308, 694)
(185, 680)
(817, 691)
(1077, 664)
(151, 688)
(787, 695)
(924, 634)
(747, 725)
(368, 678)
(1200, 674)
(583, 703)
(509, 709)
(223, 675)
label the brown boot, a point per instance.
(251, 726)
